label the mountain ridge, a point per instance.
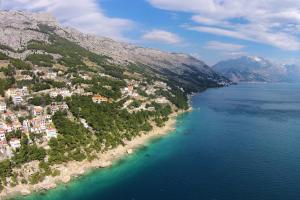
(18, 28)
(256, 69)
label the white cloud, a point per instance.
(219, 31)
(205, 20)
(271, 22)
(194, 6)
(225, 50)
(162, 36)
(222, 46)
(85, 15)
(254, 33)
(236, 53)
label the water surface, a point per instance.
(239, 143)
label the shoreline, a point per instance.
(74, 169)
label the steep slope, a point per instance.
(18, 29)
(252, 69)
(69, 97)
(61, 103)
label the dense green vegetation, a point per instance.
(14, 134)
(108, 87)
(44, 28)
(55, 84)
(72, 143)
(135, 104)
(112, 124)
(5, 168)
(114, 92)
(40, 100)
(162, 110)
(177, 97)
(21, 65)
(28, 152)
(3, 56)
(109, 124)
(72, 54)
(43, 60)
(23, 155)
(5, 84)
(40, 86)
(8, 71)
(5, 47)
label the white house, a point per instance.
(15, 143)
(2, 125)
(65, 93)
(53, 94)
(162, 100)
(51, 133)
(16, 125)
(54, 108)
(37, 110)
(2, 106)
(2, 135)
(99, 99)
(26, 125)
(17, 92)
(134, 94)
(17, 99)
(151, 108)
(8, 128)
(64, 106)
(51, 75)
(84, 123)
(38, 124)
(24, 91)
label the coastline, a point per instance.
(74, 169)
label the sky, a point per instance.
(211, 30)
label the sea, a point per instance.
(239, 143)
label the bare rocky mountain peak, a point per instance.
(17, 28)
(256, 69)
(28, 19)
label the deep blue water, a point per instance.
(239, 143)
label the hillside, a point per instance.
(68, 97)
(19, 29)
(256, 69)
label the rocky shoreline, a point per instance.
(74, 169)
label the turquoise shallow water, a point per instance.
(239, 143)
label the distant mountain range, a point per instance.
(18, 29)
(257, 69)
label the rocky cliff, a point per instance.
(18, 28)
